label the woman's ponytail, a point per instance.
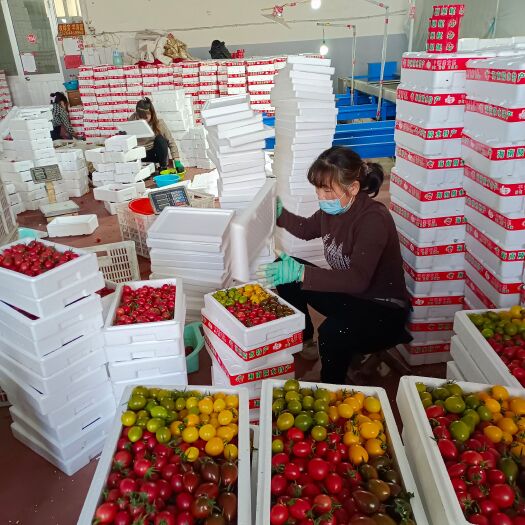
(372, 178)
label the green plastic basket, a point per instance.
(193, 337)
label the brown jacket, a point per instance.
(165, 132)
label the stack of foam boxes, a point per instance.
(52, 360)
(76, 116)
(305, 121)
(8, 225)
(190, 83)
(245, 357)
(146, 353)
(119, 162)
(13, 198)
(232, 77)
(494, 154)
(428, 199)
(260, 75)
(208, 84)
(236, 136)
(16, 177)
(74, 171)
(133, 86)
(5, 96)
(112, 195)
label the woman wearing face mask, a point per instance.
(363, 294)
(159, 146)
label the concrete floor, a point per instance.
(32, 491)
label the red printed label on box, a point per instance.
(435, 64)
(427, 349)
(479, 294)
(430, 327)
(432, 222)
(433, 276)
(447, 300)
(429, 163)
(425, 251)
(502, 153)
(503, 288)
(254, 403)
(429, 134)
(497, 112)
(503, 255)
(431, 99)
(505, 190)
(494, 216)
(499, 76)
(427, 196)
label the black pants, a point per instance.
(159, 154)
(60, 133)
(352, 326)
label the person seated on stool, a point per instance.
(62, 128)
(159, 146)
(363, 294)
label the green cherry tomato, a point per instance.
(163, 435)
(134, 434)
(277, 446)
(454, 404)
(459, 431)
(318, 433)
(285, 421)
(303, 422)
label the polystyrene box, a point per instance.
(453, 372)
(434, 282)
(121, 143)
(147, 350)
(428, 171)
(467, 363)
(130, 178)
(435, 307)
(429, 138)
(432, 255)
(430, 331)
(120, 156)
(146, 332)
(63, 284)
(439, 228)
(425, 354)
(27, 125)
(475, 299)
(504, 262)
(256, 335)
(71, 226)
(138, 369)
(395, 446)
(429, 199)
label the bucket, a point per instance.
(193, 337)
(166, 180)
(141, 206)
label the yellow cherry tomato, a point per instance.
(372, 405)
(345, 411)
(518, 450)
(360, 419)
(214, 447)
(494, 433)
(225, 433)
(369, 430)
(232, 401)
(234, 427)
(192, 453)
(225, 417)
(176, 428)
(206, 432)
(206, 405)
(500, 393)
(351, 438)
(352, 402)
(375, 447)
(360, 398)
(493, 405)
(192, 402)
(508, 425)
(333, 414)
(506, 438)
(190, 434)
(231, 452)
(357, 455)
(219, 395)
(192, 420)
(219, 405)
(517, 405)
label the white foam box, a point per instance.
(69, 154)
(146, 332)
(71, 226)
(505, 262)
(137, 369)
(95, 155)
(429, 256)
(505, 194)
(120, 143)
(128, 167)
(27, 125)
(74, 175)
(104, 167)
(94, 495)
(494, 157)
(78, 191)
(503, 292)
(437, 492)
(22, 181)
(30, 145)
(14, 199)
(102, 177)
(453, 373)
(21, 166)
(130, 178)
(33, 194)
(440, 229)
(115, 193)
(425, 171)
(475, 299)
(508, 228)
(129, 156)
(18, 208)
(395, 447)
(60, 286)
(112, 207)
(72, 165)
(425, 354)
(466, 362)
(32, 134)
(434, 307)
(431, 139)
(45, 161)
(147, 350)
(225, 106)
(434, 282)
(430, 331)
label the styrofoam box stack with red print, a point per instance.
(76, 116)
(260, 74)
(74, 171)
(5, 96)
(231, 76)
(52, 359)
(245, 356)
(494, 153)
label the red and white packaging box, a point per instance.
(508, 228)
(431, 331)
(430, 256)
(429, 105)
(504, 262)
(260, 66)
(434, 282)
(475, 299)
(504, 76)
(493, 157)
(506, 194)
(502, 292)
(429, 139)
(441, 229)
(448, 10)
(495, 119)
(423, 354)
(427, 200)
(435, 307)
(429, 170)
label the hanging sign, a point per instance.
(46, 173)
(161, 198)
(31, 38)
(71, 30)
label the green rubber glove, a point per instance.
(285, 271)
(178, 166)
(278, 207)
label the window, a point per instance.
(67, 8)
(7, 59)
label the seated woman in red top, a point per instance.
(363, 294)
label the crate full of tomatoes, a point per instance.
(174, 457)
(332, 455)
(466, 445)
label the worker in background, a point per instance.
(363, 294)
(159, 146)
(62, 128)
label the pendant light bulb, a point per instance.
(323, 50)
(315, 4)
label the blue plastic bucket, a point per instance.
(166, 180)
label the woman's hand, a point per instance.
(285, 271)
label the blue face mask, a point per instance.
(333, 206)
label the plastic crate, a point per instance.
(200, 199)
(193, 338)
(266, 437)
(134, 227)
(117, 261)
(8, 225)
(94, 495)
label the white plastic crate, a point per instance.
(436, 490)
(256, 335)
(423, 354)
(94, 495)
(393, 440)
(430, 256)
(430, 331)
(466, 362)
(147, 350)
(507, 263)
(146, 332)
(480, 352)
(147, 367)
(434, 282)
(117, 261)
(453, 372)
(438, 228)
(134, 227)
(435, 307)
(426, 171)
